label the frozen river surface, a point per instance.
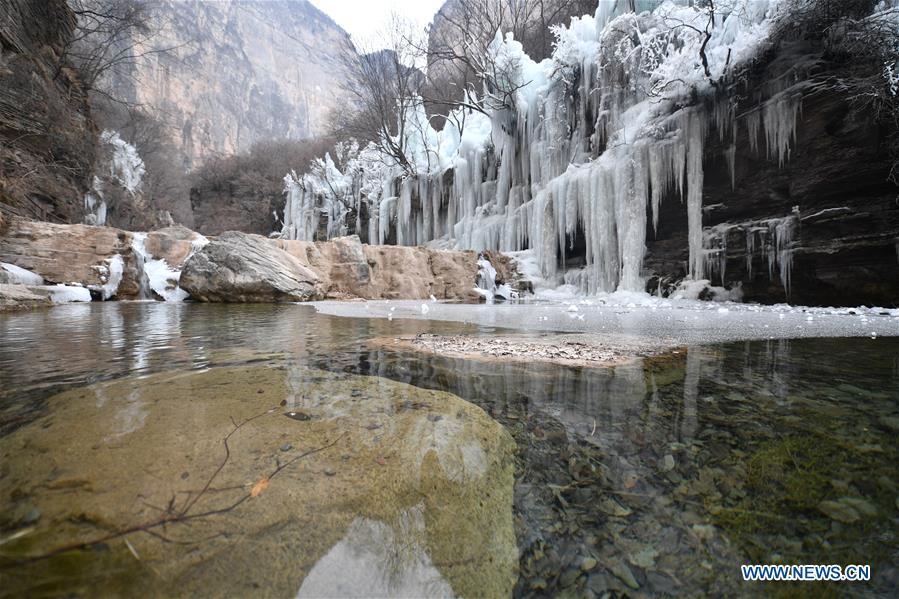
(643, 319)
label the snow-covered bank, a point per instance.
(651, 321)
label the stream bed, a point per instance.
(358, 468)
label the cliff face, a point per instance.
(218, 210)
(820, 229)
(235, 72)
(47, 138)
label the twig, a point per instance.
(173, 516)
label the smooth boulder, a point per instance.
(238, 267)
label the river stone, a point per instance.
(435, 513)
(622, 572)
(668, 462)
(18, 297)
(239, 267)
(838, 511)
(862, 506)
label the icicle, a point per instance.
(779, 118)
(753, 123)
(730, 154)
(579, 148)
(694, 134)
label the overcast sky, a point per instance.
(365, 19)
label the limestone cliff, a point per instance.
(235, 72)
(47, 138)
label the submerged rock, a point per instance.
(432, 518)
(238, 267)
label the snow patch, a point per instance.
(64, 294)
(21, 276)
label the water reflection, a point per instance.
(374, 559)
(649, 469)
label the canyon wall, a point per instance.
(47, 137)
(822, 228)
(235, 72)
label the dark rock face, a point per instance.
(218, 210)
(238, 267)
(838, 212)
(47, 138)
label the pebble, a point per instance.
(838, 511)
(613, 508)
(620, 569)
(862, 506)
(668, 462)
(298, 416)
(32, 516)
(286, 447)
(569, 577)
(329, 472)
(588, 564)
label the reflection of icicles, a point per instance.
(689, 422)
(777, 356)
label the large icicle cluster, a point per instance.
(598, 135)
(770, 240)
(328, 192)
(124, 168)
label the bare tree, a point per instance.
(383, 88)
(110, 37)
(459, 64)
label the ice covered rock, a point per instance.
(98, 258)
(13, 275)
(238, 267)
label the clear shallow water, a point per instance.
(659, 476)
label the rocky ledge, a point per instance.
(83, 263)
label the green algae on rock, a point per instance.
(414, 496)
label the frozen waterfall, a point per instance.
(598, 136)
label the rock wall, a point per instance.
(836, 210)
(47, 138)
(236, 267)
(218, 210)
(105, 260)
(235, 72)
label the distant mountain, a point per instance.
(237, 71)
